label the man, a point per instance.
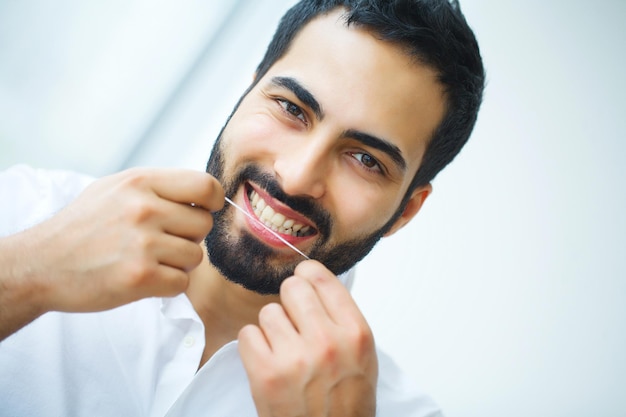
(354, 109)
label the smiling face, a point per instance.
(323, 148)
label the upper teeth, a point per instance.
(276, 221)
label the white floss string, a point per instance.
(229, 201)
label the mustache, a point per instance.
(306, 206)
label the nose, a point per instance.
(302, 169)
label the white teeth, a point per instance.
(266, 214)
(260, 205)
(276, 221)
(255, 199)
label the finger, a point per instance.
(278, 329)
(253, 346)
(154, 281)
(177, 252)
(335, 298)
(164, 281)
(303, 305)
(171, 281)
(182, 186)
(192, 223)
(186, 186)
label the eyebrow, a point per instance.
(377, 143)
(301, 92)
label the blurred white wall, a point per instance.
(95, 86)
(506, 296)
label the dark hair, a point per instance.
(434, 33)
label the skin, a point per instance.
(127, 236)
(308, 350)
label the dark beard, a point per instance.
(257, 267)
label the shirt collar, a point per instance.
(178, 308)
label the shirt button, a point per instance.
(188, 341)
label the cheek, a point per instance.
(361, 210)
(251, 137)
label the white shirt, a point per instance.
(140, 359)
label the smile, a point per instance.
(278, 222)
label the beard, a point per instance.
(243, 259)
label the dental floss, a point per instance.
(229, 201)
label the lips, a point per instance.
(276, 216)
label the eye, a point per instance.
(292, 109)
(368, 161)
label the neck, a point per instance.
(223, 306)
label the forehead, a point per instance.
(365, 84)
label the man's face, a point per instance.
(323, 148)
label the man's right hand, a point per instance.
(128, 236)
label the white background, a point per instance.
(506, 296)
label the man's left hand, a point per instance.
(313, 354)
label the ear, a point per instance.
(414, 205)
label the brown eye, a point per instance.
(292, 109)
(367, 160)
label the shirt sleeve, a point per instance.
(28, 196)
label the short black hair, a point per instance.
(434, 33)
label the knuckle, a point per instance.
(134, 177)
(328, 352)
(145, 243)
(271, 381)
(361, 339)
(139, 272)
(139, 210)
